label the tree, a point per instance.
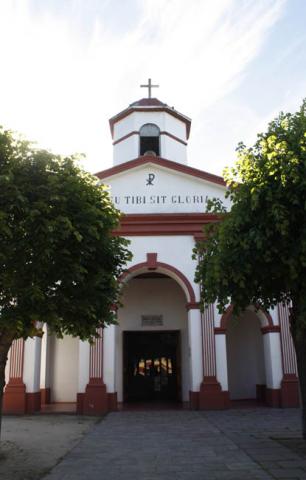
(256, 253)
(59, 262)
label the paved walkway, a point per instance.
(186, 445)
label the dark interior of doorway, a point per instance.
(152, 370)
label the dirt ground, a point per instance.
(32, 445)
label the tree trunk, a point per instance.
(5, 344)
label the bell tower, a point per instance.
(149, 127)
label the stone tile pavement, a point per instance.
(245, 444)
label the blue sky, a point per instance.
(230, 65)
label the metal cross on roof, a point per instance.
(149, 87)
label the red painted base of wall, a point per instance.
(80, 403)
(45, 395)
(17, 402)
(194, 400)
(14, 398)
(33, 402)
(95, 398)
(290, 395)
(112, 403)
(273, 397)
(211, 396)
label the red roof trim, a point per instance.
(162, 162)
(177, 139)
(135, 132)
(141, 224)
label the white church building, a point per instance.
(163, 349)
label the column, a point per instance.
(195, 355)
(273, 365)
(95, 398)
(109, 364)
(211, 395)
(290, 382)
(83, 374)
(14, 399)
(45, 367)
(221, 352)
(31, 373)
(221, 359)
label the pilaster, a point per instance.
(211, 395)
(195, 354)
(45, 391)
(290, 384)
(95, 398)
(273, 366)
(14, 398)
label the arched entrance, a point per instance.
(152, 360)
(246, 364)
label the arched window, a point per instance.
(149, 139)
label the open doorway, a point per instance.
(152, 366)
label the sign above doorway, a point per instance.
(152, 320)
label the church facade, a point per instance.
(163, 349)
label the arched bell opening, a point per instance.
(149, 136)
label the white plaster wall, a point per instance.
(221, 361)
(84, 357)
(175, 126)
(153, 296)
(63, 368)
(171, 192)
(195, 349)
(274, 315)
(217, 316)
(126, 150)
(31, 365)
(273, 359)
(173, 250)
(109, 357)
(45, 359)
(245, 356)
(172, 149)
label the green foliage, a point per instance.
(257, 253)
(59, 261)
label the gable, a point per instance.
(158, 186)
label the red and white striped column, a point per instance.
(95, 397)
(22, 392)
(96, 358)
(211, 395)
(14, 400)
(209, 352)
(289, 384)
